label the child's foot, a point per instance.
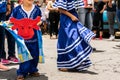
(20, 77)
(3, 68)
(35, 74)
(63, 69)
(5, 61)
(13, 59)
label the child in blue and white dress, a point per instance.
(73, 39)
(28, 10)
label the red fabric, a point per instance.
(25, 26)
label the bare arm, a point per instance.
(74, 18)
(8, 9)
(104, 7)
(50, 8)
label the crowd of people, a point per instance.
(74, 23)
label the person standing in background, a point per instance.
(99, 8)
(53, 18)
(3, 9)
(118, 14)
(10, 40)
(84, 13)
(111, 14)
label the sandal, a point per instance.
(63, 69)
(35, 74)
(68, 70)
(20, 77)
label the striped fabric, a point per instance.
(73, 41)
(69, 4)
(75, 54)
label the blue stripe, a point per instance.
(76, 62)
(70, 47)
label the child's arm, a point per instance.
(74, 18)
(104, 7)
(50, 8)
(8, 9)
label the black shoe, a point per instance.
(94, 49)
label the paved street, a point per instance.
(106, 63)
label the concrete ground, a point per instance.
(106, 63)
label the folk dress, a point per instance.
(33, 43)
(73, 40)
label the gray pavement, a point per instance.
(106, 63)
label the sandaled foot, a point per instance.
(20, 77)
(3, 67)
(68, 70)
(63, 69)
(35, 74)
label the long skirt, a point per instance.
(73, 45)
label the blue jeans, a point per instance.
(85, 17)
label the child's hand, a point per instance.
(74, 18)
(39, 23)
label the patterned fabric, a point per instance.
(23, 52)
(24, 26)
(73, 41)
(69, 4)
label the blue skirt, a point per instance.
(73, 45)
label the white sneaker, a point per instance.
(112, 38)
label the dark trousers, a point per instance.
(31, 65)
(2, 35)
(98, 21)
(54, 20)
(10, 40)
(11, 44)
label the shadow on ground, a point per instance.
(98, 51)
(11, 75)
(85, 72)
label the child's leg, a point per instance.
(23, 68)
(33, 65)
(34, 50)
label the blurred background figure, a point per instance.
(84, 13)
(99, 8)
(5, 11)
(54, 17)
(111, 14)
(44, 25)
